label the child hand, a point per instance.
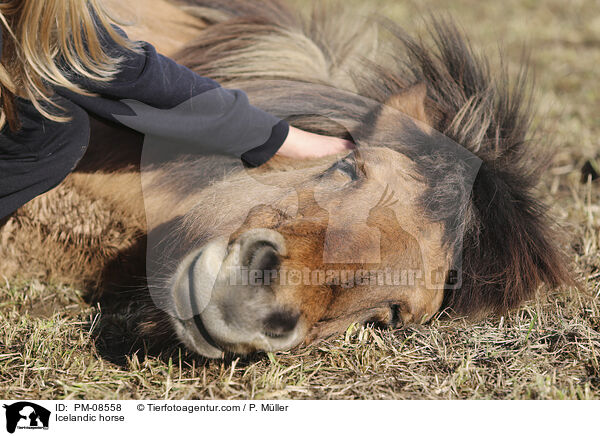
(300, 144)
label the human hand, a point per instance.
(300, 144)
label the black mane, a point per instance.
(509, 247)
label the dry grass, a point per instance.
(51, 345)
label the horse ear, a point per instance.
(411, 101)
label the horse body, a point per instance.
(404, 202)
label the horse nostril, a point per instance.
(263, 257)
(260, 255)
(279, 324)
(261, 248)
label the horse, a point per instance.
(435, 210)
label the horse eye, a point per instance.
(346, 166)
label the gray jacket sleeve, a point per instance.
(156, 96)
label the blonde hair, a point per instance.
(36, 34)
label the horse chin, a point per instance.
(193, 339)
(216, 311)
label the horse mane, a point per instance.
(508, 247)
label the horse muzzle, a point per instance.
(224, 299)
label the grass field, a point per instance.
(50, 345)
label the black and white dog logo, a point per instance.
(26, 415)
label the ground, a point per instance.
(549, 349)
